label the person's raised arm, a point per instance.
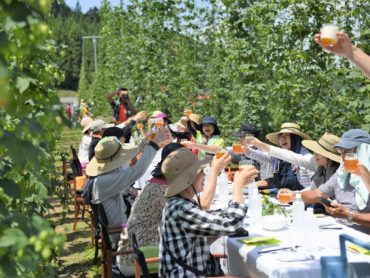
(110, 97)
(208, 193)
(346, 49)
(241, 179)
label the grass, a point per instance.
(67, 93)
(76, 258)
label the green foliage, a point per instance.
(28, 72)
(68, 27)
(269, 208)
(255, 60)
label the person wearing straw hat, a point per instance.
(146, 213)
(193, 125)
(184, 250)
(114, 176)
(97, 128)
(285, 174)
(349, 190)
(324, 162)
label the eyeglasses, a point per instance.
(343, 151)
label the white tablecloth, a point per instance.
(244, 261)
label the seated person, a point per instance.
(348, 189)
(114, 176)
(211, 141)
(184, 250)
(147, 209)
(265, 171)
(286, 174)
(324, 162)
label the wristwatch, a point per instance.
(351, 214)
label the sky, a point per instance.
(87, 4)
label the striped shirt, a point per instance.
(184, 231)
(303, 175)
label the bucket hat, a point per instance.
(210, 120)
(180, 169)
(290, 128)
(110, 154)
(324, 146)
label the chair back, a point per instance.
(75, 163)
(336, 266)
(139, 257)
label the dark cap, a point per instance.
(113, 131)
(247, 129)
(353, 138)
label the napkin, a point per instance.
(260, 241)
(358, 249)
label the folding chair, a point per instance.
(338, 267)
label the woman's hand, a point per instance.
(343, 47)
(337, 210)
(220, 163)
(260, 145)
(245, 176)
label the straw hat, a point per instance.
(325, 146)
(195, 118)
(180, 168)
(110, 154)
(290, 128)
(182, 122)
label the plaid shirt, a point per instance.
(184, 230)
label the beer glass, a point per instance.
(220, 153)
(351, 163)
(328, 35)
(237, 148)
(284, 196)
(187, 112)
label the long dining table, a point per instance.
(247, 260)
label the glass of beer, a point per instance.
(328, 35)
(159, 123)
(237, 148)
(220, 153)
(284, 196)
(248, 139)
(244, 163)
(351, 163)
(139, 125)
(187, 112)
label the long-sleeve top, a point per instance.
(307, 161)
(108, 188)
(304, 174)
(184, 231)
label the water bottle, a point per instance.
(311, 232)
(298, 213)
(222, 189)
(254, 205)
